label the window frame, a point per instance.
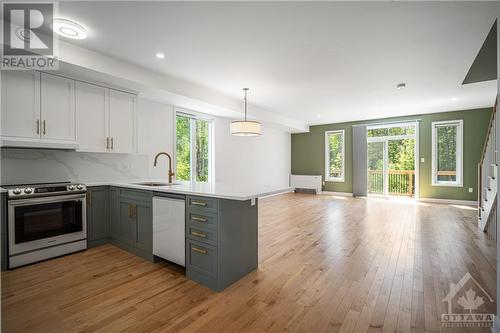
(459, 153)
(327, 157)
(193, 115)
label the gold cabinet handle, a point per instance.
(198, 234)
(38, 126)
(107, 142)
(44, 127)
(112, 144)
(199, 203)
(132, 211)
(199, 218)
(195, 249)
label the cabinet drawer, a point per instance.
(201, 234)
(136, 195)
(202, 204)
(202, 219)
(202, 258)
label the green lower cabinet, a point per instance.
(114, 218)
(127, 222)
(221, 240)
(202, 263)
(221, 234)
(144, 227)
(97, 215)
(132, 223)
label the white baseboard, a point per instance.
(449, 201)
(340, 194)
(496, 326)
(277, 193)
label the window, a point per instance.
(391, 130)
(334, 156)
(447, 153)
(193, 152)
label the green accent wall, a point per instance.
(308, 152)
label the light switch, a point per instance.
(422, 160)
(471, 190)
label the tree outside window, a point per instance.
(334, 141)
(193, 153)
(447, 153)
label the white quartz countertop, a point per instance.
(216, 190)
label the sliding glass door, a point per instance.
(391, 160)
(401, 167)
(377, 168)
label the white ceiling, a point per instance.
(315, 62)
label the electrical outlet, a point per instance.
(422, 160)
(471, 190)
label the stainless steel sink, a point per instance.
(156, 184)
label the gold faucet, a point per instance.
(170, 173)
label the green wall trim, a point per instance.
(308, 152)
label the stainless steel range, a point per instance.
(45, 221)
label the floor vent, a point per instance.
(305, 190)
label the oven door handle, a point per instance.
(42, 200)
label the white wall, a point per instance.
(252, 160)
(155, 132)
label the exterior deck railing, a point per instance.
(401, 182)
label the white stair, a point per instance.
(488, 199)
(487, 178)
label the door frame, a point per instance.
(386, 139)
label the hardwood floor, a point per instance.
(326, 264)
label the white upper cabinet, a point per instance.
(92, 108)
(122, 122)
(21, 104)
(58, 108)
(50, 111)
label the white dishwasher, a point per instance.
(169, 229)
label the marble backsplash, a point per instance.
(45, 165)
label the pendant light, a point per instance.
(245, 127)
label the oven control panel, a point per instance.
(53, 189)
(21, 191)
(76, 187)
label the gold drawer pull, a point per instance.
(199, 218)
(198, 234)
(195, 249)
(199, 203)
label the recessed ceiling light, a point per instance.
(454, 98)
(160, 55)
(70, 29)
(401, 85)
(318, 116)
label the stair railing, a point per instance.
(487, 174)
